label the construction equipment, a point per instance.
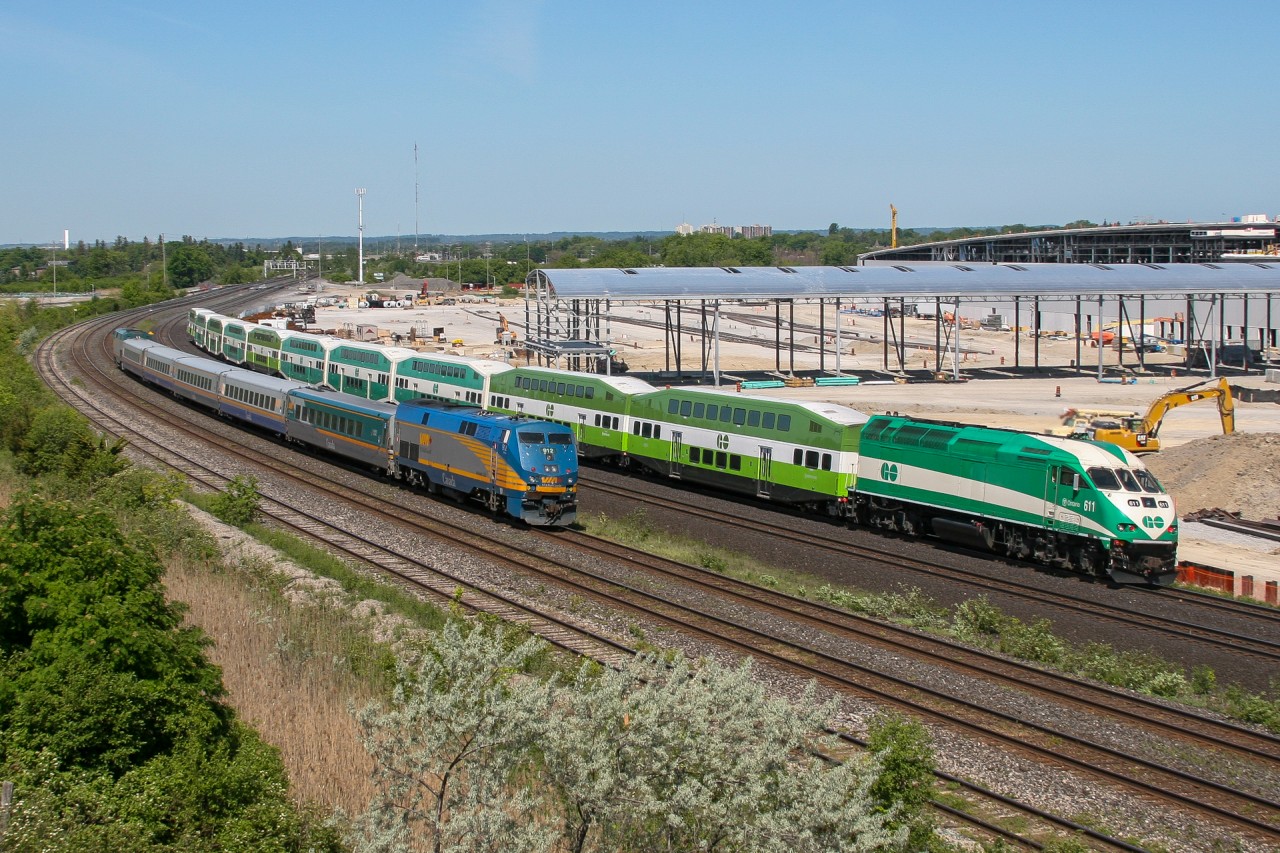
(505, 335)
(1141, 434)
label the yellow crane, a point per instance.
(893, 230)
(1141, 434)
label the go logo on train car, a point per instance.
(889, 472)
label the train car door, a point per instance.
(764, 477)
(677, 447)
(582, 427)
(1061, 488)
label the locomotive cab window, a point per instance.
(1127, 480)
(1104, 479)
(1148, 481)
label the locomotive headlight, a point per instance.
(551, 469)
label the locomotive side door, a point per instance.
(764, 477)
(677, 446)
(1061, 509)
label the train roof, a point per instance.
(482, 366)
(253, 379)
(327, 341)
(621, 384)
(1087, 453)
(323, 394)
(155, 349)
(474, 413)
(392, 354)
(834, 412)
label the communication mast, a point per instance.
(893, 231)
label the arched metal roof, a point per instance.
(912, 281)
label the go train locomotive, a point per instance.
(518, 467)
(1077, 504)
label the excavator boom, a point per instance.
(1190, 394)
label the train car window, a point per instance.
(542, 385)
(712, 412)
(1127, 480)
(784, 423)
(635, 427)
(1104, 479)
(739, 417)
(699, 409)
(798, 459)
(726, 414)
(722, 459)
(1148, 480)
(560, 388)
(686, 408)
(531, 437)
(646, 430)
(811, 459)
(753, 418)
(591, 392)
(657, 430)
(1066, 477)
(582, 391)
(735, 462)
(615, 423)
(673, 406)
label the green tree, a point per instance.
(188, 265)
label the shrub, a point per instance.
(238, 505)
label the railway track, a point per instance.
(1223, 803)
(1264, 649)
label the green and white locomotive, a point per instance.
(1084, 505)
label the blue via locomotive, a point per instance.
(517, 467)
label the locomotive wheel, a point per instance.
(1086, 559)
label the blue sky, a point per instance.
(260, 119)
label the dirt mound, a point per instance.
(1238, 472)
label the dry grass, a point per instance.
(278, 664)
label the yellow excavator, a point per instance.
(1141, 434)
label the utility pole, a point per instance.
(415, 201)
(360, 238)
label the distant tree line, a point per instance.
(142, 266)
(151, 266)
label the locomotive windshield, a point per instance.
(1130, 484)
(532, 438)
(561, 438)
(1105, 479)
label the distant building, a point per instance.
(747, 231)
(1244, 238)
